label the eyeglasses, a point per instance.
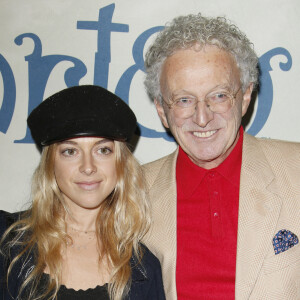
(217, 101)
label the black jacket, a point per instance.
(146, 277)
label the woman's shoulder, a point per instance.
(7, 219)
(147, 281)
(147, 266)
(148, 256)
(10, 217)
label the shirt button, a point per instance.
(212, 175)
(216, 214)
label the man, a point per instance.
(226, 206)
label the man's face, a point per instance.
(207, 137)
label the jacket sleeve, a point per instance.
(156, 289)
(147, 281)
(6, 220)
(4, 224)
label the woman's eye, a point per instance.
(69, 152)
(105, 150)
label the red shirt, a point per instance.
(207, 221)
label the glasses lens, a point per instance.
(218, 102)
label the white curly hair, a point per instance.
(186, 31)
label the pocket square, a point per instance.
(284, 240)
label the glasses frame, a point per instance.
(232, 97)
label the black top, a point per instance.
(97, 293)
(64, 293)
(146, 277)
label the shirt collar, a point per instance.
(230, 168)
(189, 175)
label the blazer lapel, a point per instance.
(259, 209)
(161, 239)
(163, 195)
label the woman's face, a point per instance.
(85, 171)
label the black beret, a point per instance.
(85, 110)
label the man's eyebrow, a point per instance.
(184, 92)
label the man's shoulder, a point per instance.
(160, 167)
(283, 157)
(156, 164)
(274, 144)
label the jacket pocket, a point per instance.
(288, 258)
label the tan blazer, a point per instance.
(269, 201)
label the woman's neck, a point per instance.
(82, 220)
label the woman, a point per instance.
(81, 237)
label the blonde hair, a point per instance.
(122, 221)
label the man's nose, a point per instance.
(202, 115)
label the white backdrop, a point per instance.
(69, 31)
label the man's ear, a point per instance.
(161, 113)
(247, 98)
